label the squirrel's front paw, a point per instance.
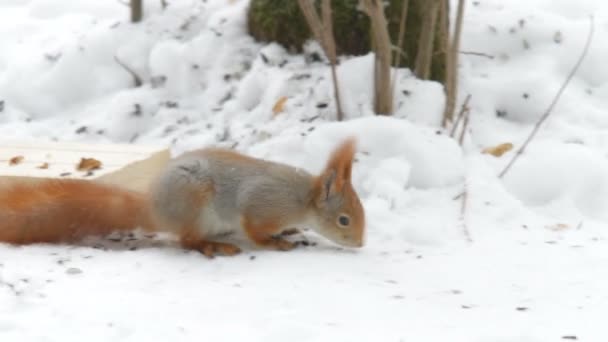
(211, 249)
(282, 244)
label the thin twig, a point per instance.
(465, 125)
(464, 108)
(549, 110)
(463, 212)
(480, 54)
(398, 49)
(136, 79)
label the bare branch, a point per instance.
(451, 87)
(422, 67)
(480, 54)
(383, 97)
(463, 214)
(465, 125)
(323, 33)
(463, 109)
(137, 10)
(328, 29)
(313, 20)
(400, 37)
(398, 49)
(549, 110)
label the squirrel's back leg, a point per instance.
(177, 201)
(191, 238)
(266, 234)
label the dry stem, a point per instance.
(137, 10)
(323, 33)
(465, 125)
(463, 211)
(136, 79)
(401, 36)
(463, 109)
(383, 97)
(398, 48)
(451, 84)
(424, 57)
(479, 54)
(549, 110)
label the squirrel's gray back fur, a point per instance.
(233, 185)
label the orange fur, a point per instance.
(265, 234)
(192, 239)
(47, 210)
(342, 160)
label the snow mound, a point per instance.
(390, 151)
(550, 172)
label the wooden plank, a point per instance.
(131, 166)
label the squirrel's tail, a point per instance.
(51, 210)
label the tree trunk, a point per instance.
(137, 11)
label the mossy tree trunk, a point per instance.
(281, 21)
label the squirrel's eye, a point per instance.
(343, 220)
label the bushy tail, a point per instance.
(50, 210)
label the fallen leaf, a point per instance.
(88, 164)
(558, 226)
(279, 106)
(15, 160)
(498, 150)
(43, 166)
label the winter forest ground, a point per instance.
(535, 271)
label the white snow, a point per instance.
(534, 271)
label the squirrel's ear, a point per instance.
(341, 162)
(328, 184)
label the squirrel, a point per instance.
(200, 195)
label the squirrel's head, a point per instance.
(340, 215)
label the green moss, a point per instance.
(281, 21)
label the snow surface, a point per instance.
(534, 271)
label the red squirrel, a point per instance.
(198, 196)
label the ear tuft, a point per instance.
(328, 181)
(341, 161)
